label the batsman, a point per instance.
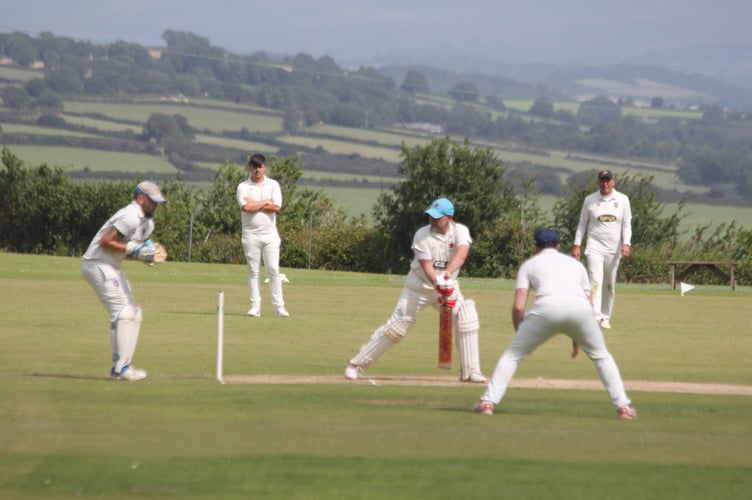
(440, 249)
(124, 236)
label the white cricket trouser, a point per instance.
(110, 285)
(114, 292)
(572, 317)
(602, 271)
(412, 300)
(266, 247)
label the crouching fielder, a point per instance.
(124, 235)
(440, 250)
(562, 305)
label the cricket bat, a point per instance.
(445, 337)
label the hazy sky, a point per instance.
(533, 30)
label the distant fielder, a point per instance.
(440, 250)
(562, 305)
(124, 236)
(606, 218)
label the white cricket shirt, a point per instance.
(553, 275)
(129, 221)
(259, 222)
(608, 222)
(441, 248)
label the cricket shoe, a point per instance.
(605, 323)
(474, 378)
(483, 407)
(254, 312)
(128, 373)
(352, 372)
(627, 412)
(281, 312)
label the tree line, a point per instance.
(712, 151)
(44, 211)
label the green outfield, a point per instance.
(287, 425)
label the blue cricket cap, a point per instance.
(440, 208)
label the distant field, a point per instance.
(523, 105)
(19, 74)
(200, 118)
(242, 107)
(664, 175)
(12, 128)
(250, 146)
(77, 159)
(344, 147)
(355, 201)
(318, 175)
(104, 125)
(410, 138)
(646, 89)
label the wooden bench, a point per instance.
(694, 265)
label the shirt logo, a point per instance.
(439, 264)
(607, 218)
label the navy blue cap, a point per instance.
(546, 238)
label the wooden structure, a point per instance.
(690, 266)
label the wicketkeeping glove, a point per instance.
(160, 254)
(147, 252)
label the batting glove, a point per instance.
(449, 300)
(445, 286)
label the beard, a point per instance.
(439, 227)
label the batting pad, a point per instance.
(467, 339)
(380, 342)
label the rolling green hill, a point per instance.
(334, 140)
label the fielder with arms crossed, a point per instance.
(124, 236)
(562, 293)
(440, 250)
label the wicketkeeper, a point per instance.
(124, 236)
(440, 250)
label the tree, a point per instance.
(465, 92)
(161, 127)
(415, 82)
(35, 87)
(543, 108)
(656, 103)
(496, 103)
(16, 98)
(598, 111)
(49, 100)
(64, 81)
(21, 48)
(471, 178)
